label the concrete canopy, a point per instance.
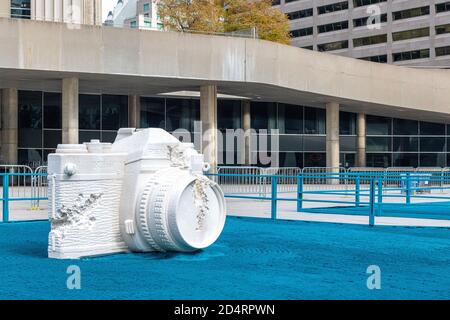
(36, 55)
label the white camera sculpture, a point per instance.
(145, 192)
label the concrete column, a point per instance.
(134, 111)
(70, 110)
(88, 14)
(332, 135)
(10, 125)
(361, 140)
(208, 117)
(246, 126)
(5, 9)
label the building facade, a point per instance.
(68, 11)
(140, 14)
(412, 32)
(324, 110)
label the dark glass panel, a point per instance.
(52, 138)
(432, 159)
(109, 136)
(291, 143)
(347, 159)
(52, 110)
(89, 112)
(347, 123)
(378, 125)
(379, 160)
(228, 114)
(182, 113)
(315, 159)
(314, 143)
(405, 127)
(315, 121)
(406, 160)
(432, 129)
(290, 118)
(406, 144)
(30, 119)
(87, 136)
(377, 144)
(114, 112)
(435, 144)
(347, 143)
(291, 159)
(263, 115)
(153, 113)
(30, 157)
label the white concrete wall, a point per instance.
(239, 66)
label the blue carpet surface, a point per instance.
(253, 259)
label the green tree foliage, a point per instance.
(225, 16)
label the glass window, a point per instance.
(442, 51)
(153, 113)
(380, 59)
(432, 159)
(87, 136)
(367, 41)
(444, 28)
(436, 144)
(300, 14)
(30, 119)
(443, 7)
(30, 157)
(360, 3)
(182, 113)
(89, 112)
(411, 13)
(108, 136)
(52, 110)
(378, 125)
(347, 159)
(360, 22)
(290, 118)
(333, 7)
(263, 115)
(347, 123)
(336, 26)
(20, 9)
(315, 159)
(52, 138)
(333, 46)
(229, 114)
(314, 143)
(315, 121)
(432, 129)
(114, 112)
(378, 144)
(297, 33)
(379, 160)
(411, 55)
(411, 34)
(347, 143)
(405, 127)
(406, 160)
(406, 144)
(290, 142)
(146, 7)
(291, 159)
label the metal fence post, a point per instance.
(274, 198)
(380, 196)
(408, 188)
(357, 191)
(6, 197)
(372, 203)
(299, 193)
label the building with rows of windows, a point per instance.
(402, 32)
(66, 84)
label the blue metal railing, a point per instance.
(6, 179)
(377, 187)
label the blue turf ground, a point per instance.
(253, 259)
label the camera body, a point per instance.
(145, 192)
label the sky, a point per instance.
(107, 5)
